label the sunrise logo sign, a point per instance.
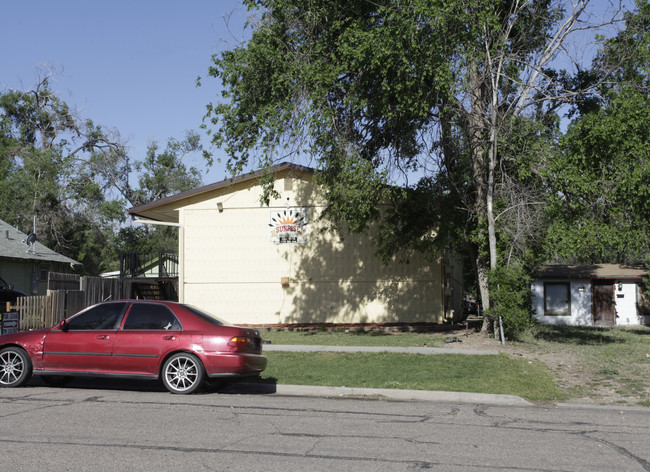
(289, 226)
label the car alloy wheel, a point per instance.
(183, 373)
(15, 367)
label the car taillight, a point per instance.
(240, 342)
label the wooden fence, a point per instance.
(60, 281)
(43, 311)
(40, 311)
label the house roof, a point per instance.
(166, 209)
(593, 271)
(12, 246)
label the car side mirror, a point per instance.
(63, 325)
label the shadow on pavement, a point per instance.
(247, 386)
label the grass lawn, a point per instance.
(597, 362)
(607, 365)
(448, 372)
(326, 338)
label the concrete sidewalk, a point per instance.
(407, 350)
(379, 393)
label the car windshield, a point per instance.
(206, 316)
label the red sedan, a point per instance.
(174, 342)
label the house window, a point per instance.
(557, 299)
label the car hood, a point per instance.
(23, 337)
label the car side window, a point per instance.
(151, 316)
(103, 316)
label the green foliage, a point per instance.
(511, 299)
(75, 178)
(355, 190)
(521, 193)
(600, 210)
(375, 92)
(163, 173)
(628, 53)
(53, 169)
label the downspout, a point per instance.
(181, 252)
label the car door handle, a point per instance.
(169, 338)
(102, 336)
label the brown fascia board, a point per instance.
(593, 271)
(135, 211)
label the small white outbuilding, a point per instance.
(589, 295)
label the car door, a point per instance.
(149, 332)
(84, 344)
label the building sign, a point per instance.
(289, 225)
(10, 322)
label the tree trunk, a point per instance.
(476, 125)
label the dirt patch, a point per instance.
(583, 380)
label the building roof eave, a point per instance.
(166, 209)
(593, 271)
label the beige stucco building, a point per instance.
(278, 264)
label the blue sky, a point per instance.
(127, 65)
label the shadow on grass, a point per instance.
(639, 331)
(350, 332)
(579, 335)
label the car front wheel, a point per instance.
(15, 367)
(183, 373)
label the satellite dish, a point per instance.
(31, 239)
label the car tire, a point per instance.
(56, 380)
(15, 367)
(183, 373)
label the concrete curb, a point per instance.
(378, 393)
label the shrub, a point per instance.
(511, 297)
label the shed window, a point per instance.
(557, 299)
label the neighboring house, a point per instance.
(26, 266)
(589, 295)
(280, 264)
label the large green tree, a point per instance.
(162, 173)
(76, 180)
(600, 182)
(50, 159)
(375, 91)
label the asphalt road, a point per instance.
(120, 426)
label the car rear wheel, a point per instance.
(183, 373)
(15, 367)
